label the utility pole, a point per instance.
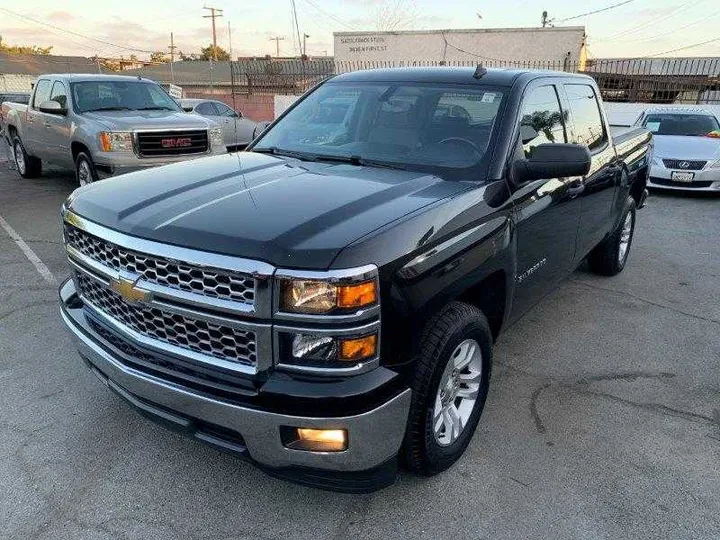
(545, 20)
(230, 41)
(305, 36)
(277, 41)
(172, 48)
(214, 13)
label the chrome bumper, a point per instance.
(374, 436)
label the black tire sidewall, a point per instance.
(441, 457)
(15, 143)
(82, 156)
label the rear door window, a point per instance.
(586, 117)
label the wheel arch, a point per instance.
(76, 147)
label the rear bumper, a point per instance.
(374, 436)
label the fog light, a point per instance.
(359, 348)
(314, 440)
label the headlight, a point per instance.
(715, 165)
(323, 297)
(116, 141)
(317, 350)
(216, 137)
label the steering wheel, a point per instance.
(464, 141)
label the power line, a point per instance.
(674, 30)
(613, 6)
(74, 33)
(656, 20)
(214, 14)
(685, 47)
(329, 15)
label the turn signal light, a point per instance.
(355, 296)
(105, 142)
(359, 348)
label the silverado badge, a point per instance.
(129, 291)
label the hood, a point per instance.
(288, 213)
(139, 120)
(680, 147)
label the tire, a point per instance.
(450, 334)
(609, 257)
(85, 172)
(26, 165)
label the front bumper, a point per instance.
(110, 164)
(374, 436)
(707, 179)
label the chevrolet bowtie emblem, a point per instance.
(130, 292)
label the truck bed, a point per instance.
(629, 139)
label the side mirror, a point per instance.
(238, 114)
(260, 128)
(553, 161)
(52, 107)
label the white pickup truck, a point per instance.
(104, 125)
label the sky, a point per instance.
(636, 28)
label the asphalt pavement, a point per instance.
(603, 419)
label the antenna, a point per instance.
(480, 70)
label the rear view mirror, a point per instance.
(554, 161)
(52, 107)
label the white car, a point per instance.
(686, 149)
(237, 130)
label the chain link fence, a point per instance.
(661, 80)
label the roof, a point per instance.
(190, 73)
(83, 77)
(678, 110)
(456, 75)
(38, 64)
(549, 29)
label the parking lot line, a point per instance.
(43, 270)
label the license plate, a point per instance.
(682, 176)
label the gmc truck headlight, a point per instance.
(116, 141)
(322, 297)
(216, 137)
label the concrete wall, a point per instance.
(16, 83)
(507, 44)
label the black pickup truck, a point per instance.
(325, 304)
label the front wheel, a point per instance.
(26, 165)
(85, 172)
(609, 257)
(449, 388)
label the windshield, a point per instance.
(416, 126)
(691, 125)
(120, 95)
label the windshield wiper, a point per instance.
(360, 161)
(109, 109)
(275, 151)
(155, 109)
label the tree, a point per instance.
(206, 53)
(159, 57)
(24, 49)
(396, 15)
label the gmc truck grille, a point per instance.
(172, 143)
(684, 164)
(199, 280)
(203, 337)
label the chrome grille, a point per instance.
(684, 164)
(207, 338)
(172, 143)
(199, 280)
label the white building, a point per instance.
(488, 46)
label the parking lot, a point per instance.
(603, 419)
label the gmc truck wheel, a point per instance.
(609, 257)
(27, 166)
(449, 388)
(85, 172)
